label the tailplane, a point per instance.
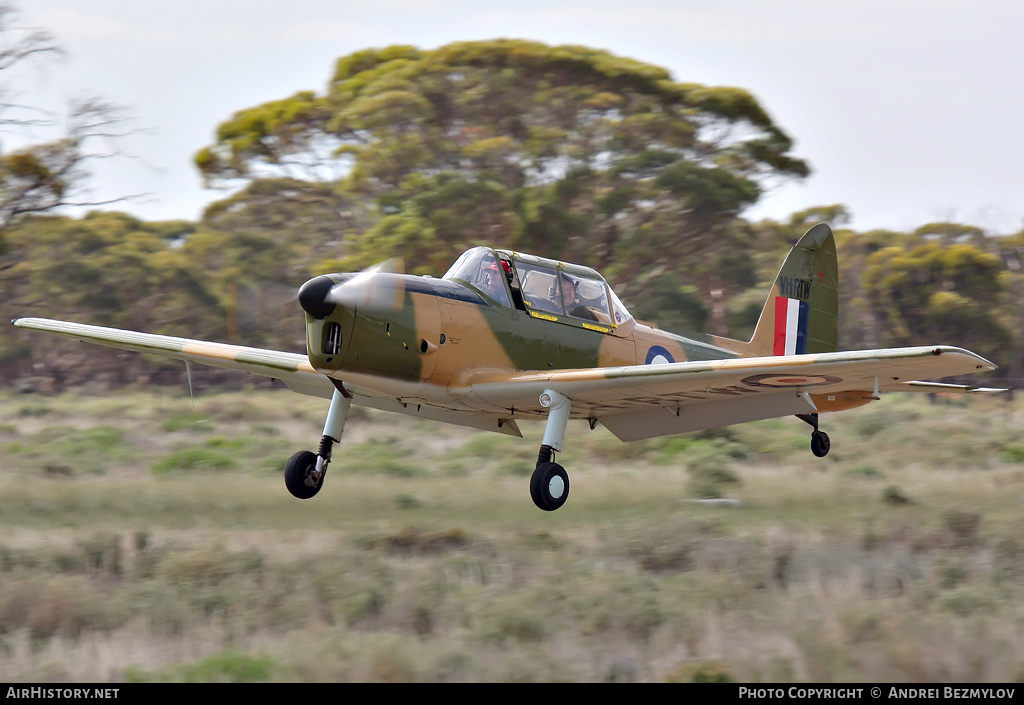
(801, 314)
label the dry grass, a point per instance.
(145, 540)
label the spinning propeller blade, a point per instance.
(374, 287)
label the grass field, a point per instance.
(142, 539)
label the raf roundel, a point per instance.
(777, 380)
(658, 355)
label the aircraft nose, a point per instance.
(313, 297)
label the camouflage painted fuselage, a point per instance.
(423, 340)
(422, 337)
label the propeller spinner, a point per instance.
(319, 296)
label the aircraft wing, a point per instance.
(291, 368)
(633, 402)
(644, 401)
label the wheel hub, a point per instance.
(556, 487)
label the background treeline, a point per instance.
(566, 152)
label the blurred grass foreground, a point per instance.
(142, 539)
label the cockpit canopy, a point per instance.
(543, 288)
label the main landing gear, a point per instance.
(549, 486)
(820, 443)
(304, 471)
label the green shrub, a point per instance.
(1012, 453)
(194, 459)
(193, 421)
(407, 501)
(701, 672)
(228, 667)
(895, 496)
(224, 667)
(864, 472)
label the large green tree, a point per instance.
(257, 246)
(925, 291)
(566, 151)
(107, 268)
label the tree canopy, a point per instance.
(564, 150)
(925, 289)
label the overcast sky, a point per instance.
(908, 111)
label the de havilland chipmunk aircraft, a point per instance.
(504, 336)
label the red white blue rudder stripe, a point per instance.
(790, 326)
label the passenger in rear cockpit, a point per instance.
(570, 300)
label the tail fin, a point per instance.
(801, 314)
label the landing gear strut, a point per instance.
(304, 472)
(549, 485)
(820, 443)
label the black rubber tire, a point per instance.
(820, 443)
(548, 478)
(296, 470)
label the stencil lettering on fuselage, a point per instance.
(793, 288)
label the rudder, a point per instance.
(801, 314)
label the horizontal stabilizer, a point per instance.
(940, 387)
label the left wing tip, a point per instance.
(24, 322)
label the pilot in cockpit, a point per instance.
(491, 279)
